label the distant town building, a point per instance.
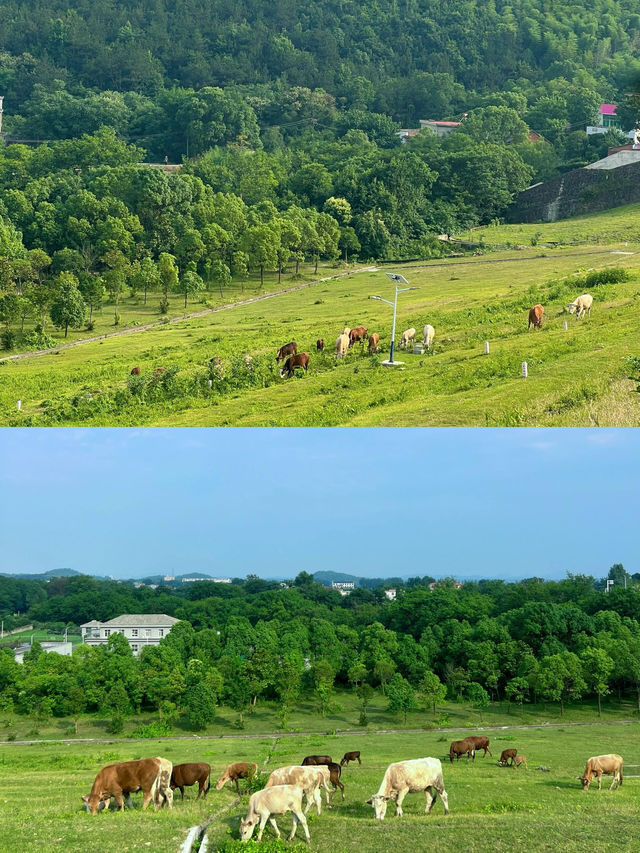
(140, 629)
(407, 133)
(208, 580)
(456, 584)
(59, 648)
(169, 578)
(391, 594)
(607, 119)
(343, 585)
(440, 128)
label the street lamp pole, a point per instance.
(397, 279)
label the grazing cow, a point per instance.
(346, 331)
(535, 317)
(312, 760)
(357, 334)
(350, 756)
(461, 747)
(135, 371)
(309, 779)
(374, 340)
(407, 336)
(233, 772)
(274, 801)
(507, 755)
(428, 335)
(116, 780)
(320, 344)
(404, 777)
(342, 345)
(479, 742)
(299, 360)
(184, 775)
(288, 349)
(521, 759)
(601, 765)
(580, 305)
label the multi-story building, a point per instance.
(140, 629)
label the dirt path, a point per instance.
(156, 323)
(340, 733)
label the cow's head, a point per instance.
(586, 781)
(247, 826)
(220, 783)
(94, 803)
(379, 803)
(571, 308)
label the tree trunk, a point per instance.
(185, 299)
(145, 293)
(66, 328)
(297, 265)
(316, 268)
(599, 706)
(279, 273)
(261, 276)
(75, 725)
(561, 708)
(91, 312)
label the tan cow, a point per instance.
(309, 779)
(602, 765)
(374, 340)
(233, 772)
(274, 801)
(342, 345)
(407, 336)
(535, 317)
(521, 759)
(580, 305)
(404, 777)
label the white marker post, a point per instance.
(564, 325)
(211, 383)
(486, 347)
(525, 369)
(19, 404)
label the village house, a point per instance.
(140, 629)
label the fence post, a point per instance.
(486, 347)
(525, 369)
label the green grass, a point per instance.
(581, 376)
(491, 807)
(38, 635)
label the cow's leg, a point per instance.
(237, 786)
(430, 797)
(147, 796)
(443, 797)
(487, 750)
(181, 789)
(273, 823)
(168, 798)
(599, 781)
(359, 762)
(298, 817)
(263, 821)
(401, 795)
(341, 786)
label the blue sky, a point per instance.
(464, 502)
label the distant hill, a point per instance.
(51, 573)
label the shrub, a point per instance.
(8, 339)
(116, 725)
(159, 728)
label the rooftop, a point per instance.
(608, 109)
(135, 620)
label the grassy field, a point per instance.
(39, 635)
(582, 376)
(491, 807)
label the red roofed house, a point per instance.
(607, 119)
(440, 128)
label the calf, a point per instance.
(350, 756)
(357, 334)
(580, 305)
(320, 344)
(521, 759)
(407, 337)
(184, 775)
(233, 772)
(342, 344)
(316, 759)
(287, 349)
(428, 335)
(404, 777)
(374, 340)
(135, 371)
(603, 765)
(299, 360)
(507, 755)
(335, 771)
(535, 317)
(308, 779)
(274, 801)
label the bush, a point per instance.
(159, 728)
(8, 339)
(116, 725)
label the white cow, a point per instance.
(274, 801)
(342, 345)
(407, 336)
(308, 778)
(404, 777)
(428, 335)
(580, 305)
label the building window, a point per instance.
(147, 632)
(134, 632)
(107, 632)
(134, 648)
(161, 632)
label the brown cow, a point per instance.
(601, 765)
(233, 772)
(135, 371)
(479, 742)
(506, 756)
(299, 360)
(114, 780)
(320, 344)
(460, 747)
(287, 349)
(312, 760)
(184, 775)
(350, 756)
(335, 771)
(374, 340)
(357, 334)
(535, 317)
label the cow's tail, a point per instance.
(206, 790)
(154, 790)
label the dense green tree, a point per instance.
(68, 307)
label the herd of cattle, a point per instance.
(286, 787)
(349, 337)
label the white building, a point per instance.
(439, 128)
(140, 629)
(391, 594)
(208, 580)
(343, 585)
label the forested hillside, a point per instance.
(253, 640)
(285, 118)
